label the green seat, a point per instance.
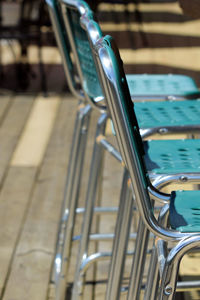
(168, 113)
(156, 86)
(142, 86)
(185, 211)
(167, 156)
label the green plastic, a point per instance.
(127, 105)
(173, 156)
(139, 85)
(91, 80)
(163, 156)
(172, 113)
(164, 84)
(185, 211)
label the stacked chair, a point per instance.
(95, 76)
(178, 221)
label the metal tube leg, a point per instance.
(152, 277)
(90, 202)
(171, 267)
(120, 244)
(156, 263)
(70, 200)
(138, 262)
(98, 204)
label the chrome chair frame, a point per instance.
(79, 138)
(90, 28)
(142, 187)
(69, 213)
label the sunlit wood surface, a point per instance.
(35, 135)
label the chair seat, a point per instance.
(145, 86)
(185, 211)
(167, 113)
(172, 156)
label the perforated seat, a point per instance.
(185, 211)
(173, 86)
(167, 113)
(165, 156)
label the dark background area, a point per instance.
(28, 22)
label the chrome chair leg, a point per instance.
(152, 277)
(138, 262)
(171, 267)
(89, 207)
(62, 257)
(151, 288)
(120, 245)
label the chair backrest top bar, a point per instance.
(64, 48)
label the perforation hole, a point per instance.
(182, 149)
(175, 84)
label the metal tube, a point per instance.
(169, 278)
(138, 261)
(122, 230)
(90, 202)
(70, 199)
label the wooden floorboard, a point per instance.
(34, 254)
(11, 129)
(14, 203)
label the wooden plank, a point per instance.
(176, 57)
(49, 54)
(14, 199)
(183, 29)
(154, 7)
(33, 141)
(29, 276)
(5, 101)
(12, 127)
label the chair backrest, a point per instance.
(64, 48)
(74, 14)
(121, 109)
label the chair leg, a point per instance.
(171, 267)
(138, 262)
(89, 208)
(151, 288)
(120, 244)
(62, 257)
(152, 277)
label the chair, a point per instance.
(184, 229)
(65, 24)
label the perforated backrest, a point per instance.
(121, 106)
(64, 47)
(75, 14)
(121, 109)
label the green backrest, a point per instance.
(73, 14)
(121, 109)
(124, 118)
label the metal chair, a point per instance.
(63, 20)
(184, 228)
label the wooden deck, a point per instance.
(35, 135)
(31, 190)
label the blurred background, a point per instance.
(30, 62)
